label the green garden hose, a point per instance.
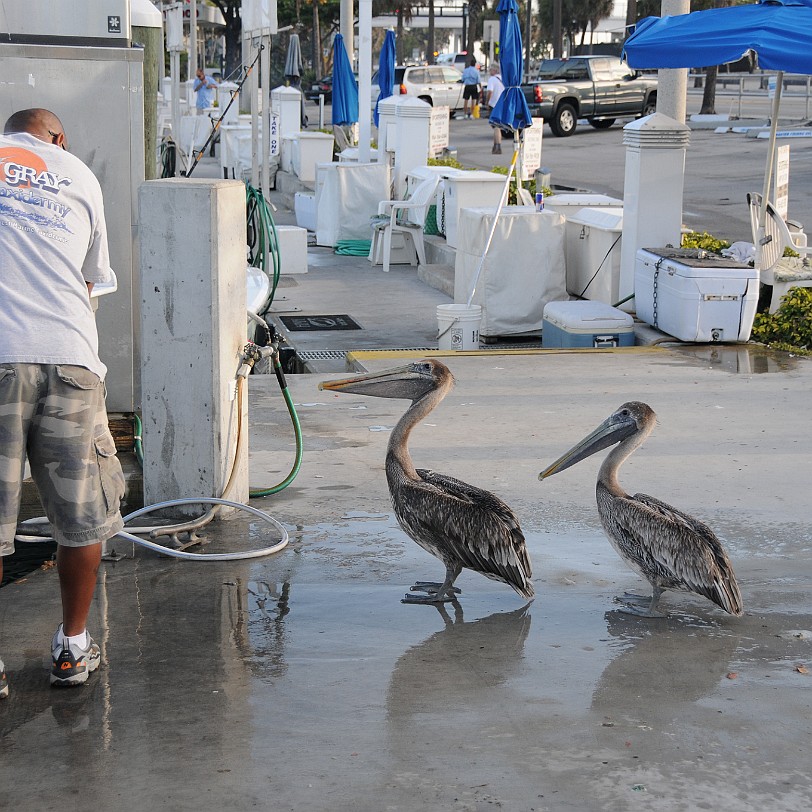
(353, 248)
(297, 430)
(261, 235)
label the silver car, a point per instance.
(438, 85)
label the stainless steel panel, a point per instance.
(99, 19)
(98, 95)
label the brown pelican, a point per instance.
(669, 548)
(464, 526)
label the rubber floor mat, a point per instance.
(340, 322)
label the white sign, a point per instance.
(438, 130)
(781, 175)
(490, 30)
(531, 149)
(274, 134)
(259, 15)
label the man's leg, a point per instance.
(77, 567)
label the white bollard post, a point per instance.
(652, 191)
(414, 125)
(193, 328)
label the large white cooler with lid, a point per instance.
(694, 295)
(570, 203)
(592, 244)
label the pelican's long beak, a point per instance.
(614, 429)
(406, 382)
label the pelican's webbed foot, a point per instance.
(640, 605)
(432, 586)
(435, 592)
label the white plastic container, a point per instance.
(458, 326)
(468, 190)
(570, 203)
(699, 297)
(292, 249)
(304, 206)
(310, 149)
(592, 245)
(586, 324)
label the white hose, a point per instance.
(203, 500)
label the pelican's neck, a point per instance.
(607, 475)
(398, 442)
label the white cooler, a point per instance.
(694, 295)
(593, 240)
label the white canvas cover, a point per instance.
(347, 197)
(523, 270)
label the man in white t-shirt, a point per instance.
(53, 249)
(493, 91)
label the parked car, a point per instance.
(458, 59)
(323, 87)
(436, 84)
(600, 89)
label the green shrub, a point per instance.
(452, 162)
(790, 327)
(696, 239)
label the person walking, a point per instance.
(493, 91)
(53, 249)
(204, 86)
(470, 91)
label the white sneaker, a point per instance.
(71, 665)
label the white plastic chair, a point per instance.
(774, 269)
(392, 216)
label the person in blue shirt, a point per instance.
(470, 93)
(204, 86)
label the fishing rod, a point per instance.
(198, 154)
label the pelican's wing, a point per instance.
(675, 546)
(471, 525)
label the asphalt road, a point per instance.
(720, 169)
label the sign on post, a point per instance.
(531, 149)
(781, 175)
(438, 129)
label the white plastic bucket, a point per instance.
(458, 326)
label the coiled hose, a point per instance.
(262, 238)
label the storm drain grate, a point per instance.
(339, 322)
(321, 355)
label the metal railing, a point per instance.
(756, 86)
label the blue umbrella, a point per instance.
(345, 88)
(386, 70)
(511, 111)
(779, 32)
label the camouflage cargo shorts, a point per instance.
(57, 416)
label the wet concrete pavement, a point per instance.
(301, 682)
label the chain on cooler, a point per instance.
(654, 293)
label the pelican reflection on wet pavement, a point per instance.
(669, 548)
(463, 526)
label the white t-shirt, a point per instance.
(53, 240)
(495, 88)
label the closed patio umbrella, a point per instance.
(345, 88)
(386, 70)
(511, 111)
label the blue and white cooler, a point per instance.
(586, 324)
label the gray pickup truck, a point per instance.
(600, 89)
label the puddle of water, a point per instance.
(737, 359)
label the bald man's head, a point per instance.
(39, 122)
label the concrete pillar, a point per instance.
(672, 85)
(193, 327)
(652, 191)
(414, 124)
